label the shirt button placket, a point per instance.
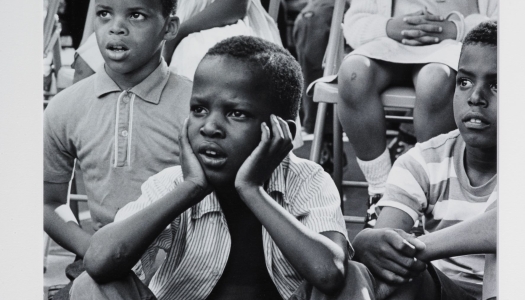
(123, 127)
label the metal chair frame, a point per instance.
(395, 98)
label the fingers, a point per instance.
(411, 42)
(183, 137)
(430, 28)
(412, 33)
(282, 137)
(422, 19)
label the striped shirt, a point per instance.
(198, 241)
(430, 180)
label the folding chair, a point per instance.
(52, 28)
(325, 92)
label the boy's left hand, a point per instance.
(270, 152)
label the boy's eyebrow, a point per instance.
(469, 73)
(102, 6)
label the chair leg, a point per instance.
(315, 152)
(338, 155)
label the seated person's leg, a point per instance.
(361, 82)
(127, 288)
(433, 114)
(311, 31)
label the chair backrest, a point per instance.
(49, 21)
(335, 50)
(273, 9)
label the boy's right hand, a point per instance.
(386, 253)
(191, 167)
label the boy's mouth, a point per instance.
(475, 121)
(117, 51)
(212, 156)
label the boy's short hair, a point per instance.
(169, 7)
(277, 65)
(485, 33)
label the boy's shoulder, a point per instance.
(437, 148)
(300, 168)
(178, 83)
(72, 98)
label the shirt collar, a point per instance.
(150, 89)
(277, 183)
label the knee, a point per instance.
(355, 79)
(435, 87)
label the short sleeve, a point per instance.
(407, 185)
(59, 151)
(152, 190)
(317, 204)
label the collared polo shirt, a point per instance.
(119, 138)
(198, 241)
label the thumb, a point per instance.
(414, 241)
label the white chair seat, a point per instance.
(399, 97)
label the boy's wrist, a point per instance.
(247, 189)
(197, 191)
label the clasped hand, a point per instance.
(420, 28)
(389, 255)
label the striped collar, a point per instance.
(276, 183)
(150, 89)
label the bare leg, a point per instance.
(433, 114)
(361, 82)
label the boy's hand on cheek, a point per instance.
(191, 167)
(270, 152)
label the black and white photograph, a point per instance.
(262, 149)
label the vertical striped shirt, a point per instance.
(198, 241)
(430, 180)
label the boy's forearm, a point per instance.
(318, 259)
(117, 247)
(474, 236)
(67, 234)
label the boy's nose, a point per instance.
(212, 130)
(118, 27)
(477, 98)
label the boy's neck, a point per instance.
(127, 81)
(480, 164)
(228, 195)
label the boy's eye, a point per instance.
(198, 110)
(494, 87)
(464, 83)
(137, 16)
(103, 14)
(238, 114)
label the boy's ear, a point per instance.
(293, 127)
(172, 28)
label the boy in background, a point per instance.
(451, 180)
(242, 217)
(120, 125)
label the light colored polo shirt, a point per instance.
(430, 180)
(120, 138)
(198, 241)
